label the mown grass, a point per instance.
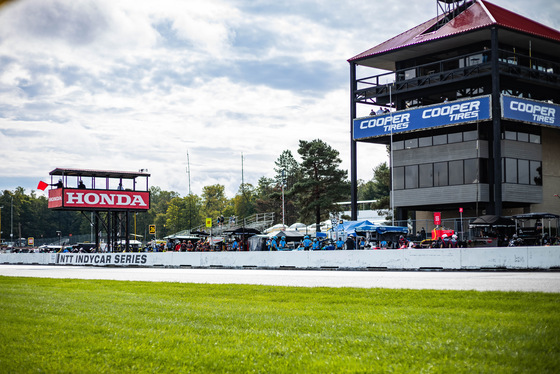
(82, 326)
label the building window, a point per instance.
(455, 137)
(471, 170)
(440, 139)
(522, 137)
(510, 170)
(534, 138)
(426, 175)
(523, 171)
(425, 142)
(440, 174)
(411, 176)
(411, 143)
(397, 146)
(398, 178)
(510, 135)
(535, 173)
(455, 172)
(470, 136)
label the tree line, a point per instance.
(311, 189)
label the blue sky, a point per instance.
(129, 85)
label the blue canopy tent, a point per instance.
(371, 230)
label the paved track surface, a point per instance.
(436, 280)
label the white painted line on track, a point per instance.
(437, 280)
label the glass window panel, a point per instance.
(411, 143)
(456, 172)
(440, 139)
(426, 175)
(510, 135)
(483, 170)
(535, 173)
(398, 145)
(534, 138)
(511, 170)
(471, 170)
(398, 178)
(522, 137)
(425, 142)
(411, 176)
(470, 135)
(523, 171)
(455, 137)
(440, 174)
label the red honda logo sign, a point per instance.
(100, 199)
(437, 218)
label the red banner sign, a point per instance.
(98, 199)
(437, 218)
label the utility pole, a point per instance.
(189, 171)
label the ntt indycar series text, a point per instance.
(454, 112)
(101, 259)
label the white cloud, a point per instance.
(131, 84)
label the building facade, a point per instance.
(472, 115)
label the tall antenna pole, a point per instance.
(189, 171)
(242, 179)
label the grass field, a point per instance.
(81, 326)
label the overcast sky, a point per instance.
(129, 85)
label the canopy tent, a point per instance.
(276, 228)
(353, 227)
(492, 221)
(243, 231)
(539, 223)
(536, 216)
(297, 226)
(290, 235)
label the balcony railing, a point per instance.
(455, 69)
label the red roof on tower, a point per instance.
(481, 14)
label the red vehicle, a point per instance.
(438, 233)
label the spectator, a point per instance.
(453, 243)
(316, 245)
(340, 243)
(350, 244)
(307, 243)
(282, 244)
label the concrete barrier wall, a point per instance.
(403, 259)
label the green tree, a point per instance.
(268, 197)
(214, 201)
(378, 188)
(321, 182)
(183, 213)
(287, 173)
(244, 202)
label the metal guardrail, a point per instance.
(258, 221)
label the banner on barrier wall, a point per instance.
(103, 259)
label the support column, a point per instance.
(353, 148)
(495, 206)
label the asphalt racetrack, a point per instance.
(538, 281)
